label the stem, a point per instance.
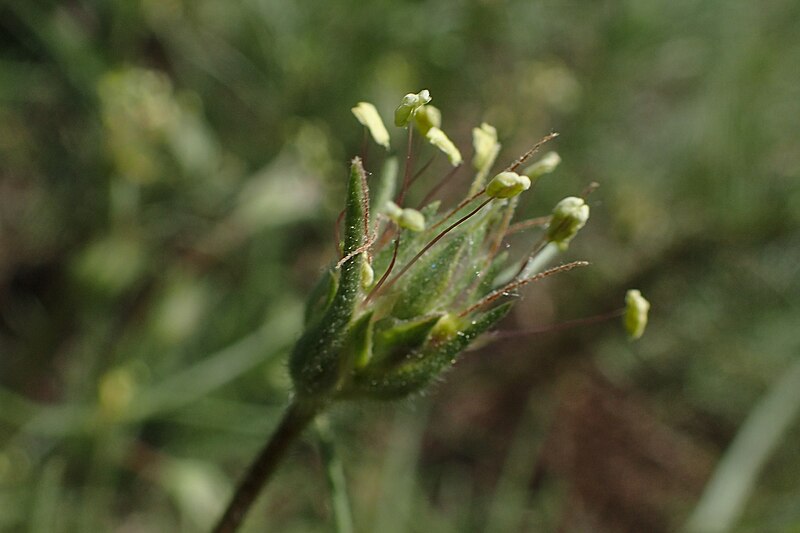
(294, 421)
(334, 475)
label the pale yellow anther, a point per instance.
(440, 140)
(427, 117)
(636, 310)
(368, 116)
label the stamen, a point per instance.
(421, 170)
(536, 251)
(365, 145)
(499, 293)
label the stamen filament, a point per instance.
(407, 172)
(503, 291)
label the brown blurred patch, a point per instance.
(626, 470)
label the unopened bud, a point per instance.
(635, 318)
(427, 117)
(439, 139)
(507, 185)
(392, 210)
(545, 165)
(411, 102)
(412, 219)
(368, 116)
(407, 218)
(569, 216)
(447, 327)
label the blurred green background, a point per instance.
(169, 176)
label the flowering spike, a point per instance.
(569, 216)
(635, 317)
(411, 102)
(507, 185)
(439, 139)
(545, 165)
(368, 116)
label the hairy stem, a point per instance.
(294, 421)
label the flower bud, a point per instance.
(407, 218)
(368, 116)
(411, 102)
(507, 185)
(427, 117)
(439, 139)
(393, 211)
(635, 318)
(412, 219)
(545, 165)
(569, 216)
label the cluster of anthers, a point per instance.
(414, 286)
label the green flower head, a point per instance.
(413, 287)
